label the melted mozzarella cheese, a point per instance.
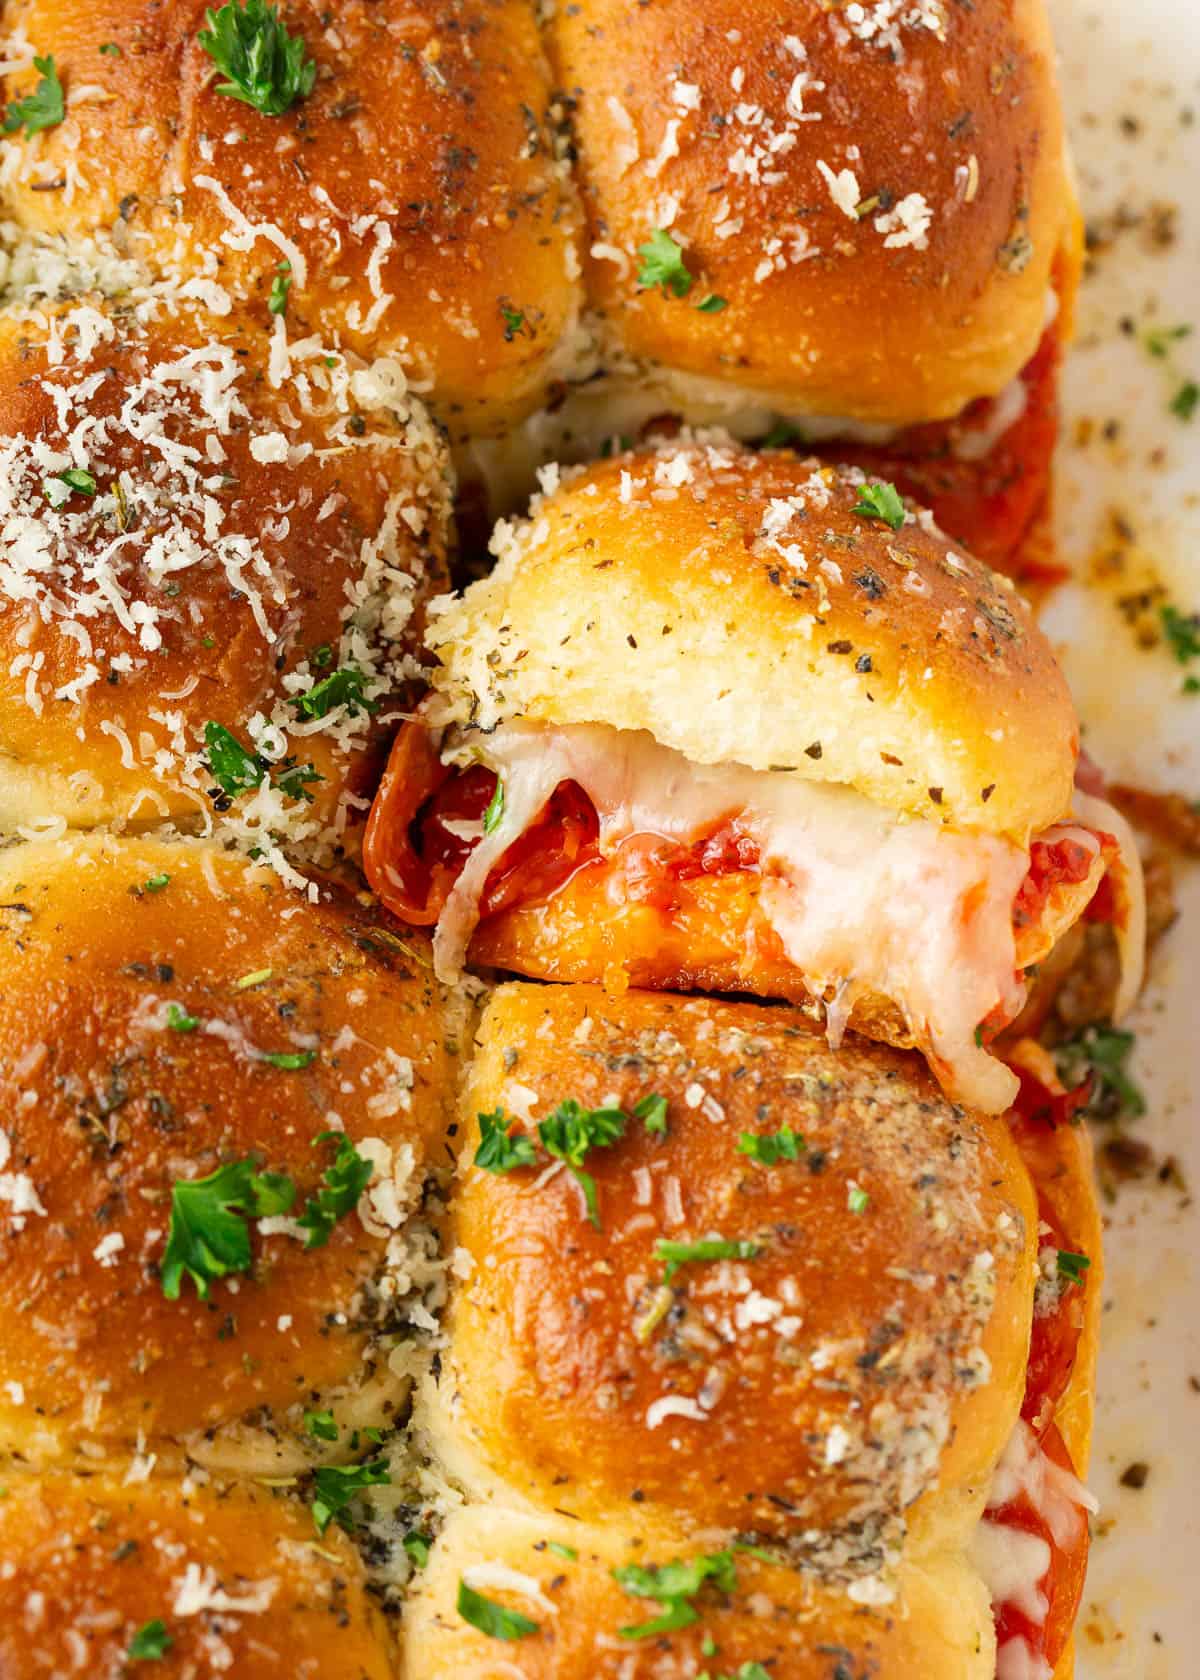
(1058, 1497)
(1013, 1565)
(862, 901)
(1015, 1661)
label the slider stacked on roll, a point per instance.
(857, 219)
(222, 1107)
(739, 721)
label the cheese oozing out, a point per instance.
(863, 901)
(1014, 1563)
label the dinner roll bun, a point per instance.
(869, 199)
(857, 1339)
(753, 1616)
(215, 1582)
(737, 606)
(166, 1011)
(414, 197)
(191, 538)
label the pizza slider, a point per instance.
(212, 574)
(223, 1103)
(732, 1296)
(387, 177)
(732, 721)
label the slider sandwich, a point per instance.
(748, 1322)
(743, 722)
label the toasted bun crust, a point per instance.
(735, 606)
(879, 205)
(716, 939)
(416, 191)
(108, 1107)
(939, 1626)
(750, 1395)
(231, 1573)
(201, 587)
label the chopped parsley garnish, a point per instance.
(208, 1236)
(180, 1021)
(43, 108)
(291, 1061)
(674, 1586)
(663, 265)
(651, 1110)
(771, 1147)
(1182, 632)
(559, 1550)
(712, 304)
(677, 1254)
(237, 770)
(155, 883)
(492, 1618)
(1186, 400)
(1103, 1053)
(418, 1547)
(110, 49)
(320, 1426)
(1158, 340)
(79, 480)
(880, 501)
(265, 66)
(336, 1485)
(514, 320)
(150, 1643)
(345, 1179)
(294, 780)
(857, 1200)
(497, 1151)
(1072, 1266)
(321, 656)
(495, 810)
(281, 285)
(234, 768)
(343, 687)
(570, 1132)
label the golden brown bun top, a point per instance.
(415, 191)
(870, 1349)
(230, 544)
(878, 198)
(558, 1574)
(736, 606)
(103, 945)
(233, 1577)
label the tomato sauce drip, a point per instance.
(1052, 863)
(1062, 1584)
(1054, 1345)
(991, 505)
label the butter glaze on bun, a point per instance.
(559, 1574)
(747, 1394)
(736, 606)
(166, 1009)
(878, 194)
(416, 192)
(230, 1573)
(192, 535)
